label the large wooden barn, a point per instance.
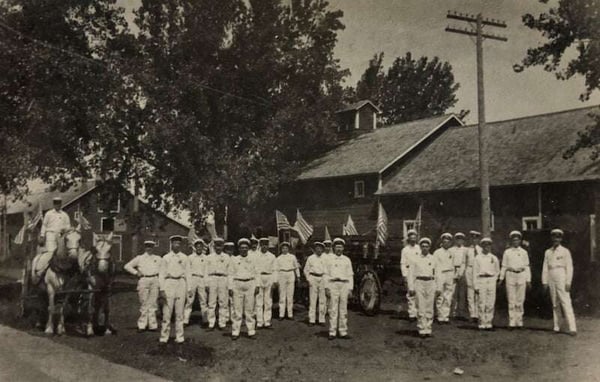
(432, 164)
(114, 212)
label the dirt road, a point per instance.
(382, 348)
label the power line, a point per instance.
(103, 65)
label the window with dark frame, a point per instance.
(359, 189)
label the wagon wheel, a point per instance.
(369, 293)
(25, 287)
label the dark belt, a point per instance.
(154, 275)
(515, 271)
(287, 270)
(339, 280)
(486, 275)
(425, 278)
(218, 274)
(250, 279)
(173, 278)
(315, 274)
(447, 270)
(265, 273)
(197, 275)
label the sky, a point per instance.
(399, 26)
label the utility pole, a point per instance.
(477, 23)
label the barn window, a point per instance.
(359, 189)
(531, 223)
(114, 204)
(107, 224)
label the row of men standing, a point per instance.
(239, 286)
(455, 269)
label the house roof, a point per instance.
(358, 105)
(526, 150)
(372, 152)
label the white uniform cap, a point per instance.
(263, 240)
(557, 232)
(446, 235)
(339, 240)
(199, 241)
(425, 240)
(150, 243)
(486, 240)
(411, 232)
(459, 235)
(218, 240)
(229, 244)
(176, 238)
(284, 243)
(57, 199)
(515, 233)
(474, 233)
(326, 242)
(243, 241)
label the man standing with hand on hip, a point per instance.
(288, 270)
(174, 283)
(339, 286)
(515, 271)
(557, 275)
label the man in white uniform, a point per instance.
(423, 287)
(339, 283)
(472, 252)
(515, 270)
(174, 282)
(265, 265)
(217, 271)
(444, 273)
(55, 223)
(485, 273)
(314, 271)
(146, 267)
(459, 256)
(411, 250)
(288, 269)
(557, 275)
(198, 282)
(243, 288)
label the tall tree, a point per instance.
(410, 89)
(572, 30)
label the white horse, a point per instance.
(68, 261)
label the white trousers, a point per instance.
(424, 301)
(316, 294)
(243, 307)
(515, 294)
(198, 287)
(147, 289)
(175, 303)
(444, 300)
(286, 281)
(562, 308)
(459, 300)
(338, 308)
(264, 301)
(486, 301)
(218, 295)
(471, 296)
(50, 241)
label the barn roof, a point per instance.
(358, 105)
(526, 150)
(372, 152)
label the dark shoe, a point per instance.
(573, 334)
(234, 338)
(141, 330)
(311, 324)
(321, 324)
(331, 338)
(423, 336)
(210, 329)
(346, 337)
(280, 318)
(252, 337)
(268, 327)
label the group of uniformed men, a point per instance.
(457, 280)
(240, 285)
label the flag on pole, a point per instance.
(418, 220)
(301, 226)
(36, 219)
(20, 238)
(382, 221)
(327, 235)
(82, 223)
(282, 222)
(349, 229)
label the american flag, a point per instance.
(282, 222)
(382, 220)
(36, 219)
(301, 226)
(82, 222)
(349, 229)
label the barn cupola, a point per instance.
(358, 117)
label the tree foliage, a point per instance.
(410, 89)
(572, 47)
(212, 103)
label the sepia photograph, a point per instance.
(299, 190)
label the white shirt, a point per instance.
(55, 221)
(242, 268)
(421, 266)
(558, 264)
(486, 264)
(144, 264)
(340, 268)
(217, 264)
(472, 252)
(515, 266)
(265, 262)
(314, 264)
(406, 256)
(287, 263)
(459, 255)
(197, 264)
(444, 260)
(174, 266)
